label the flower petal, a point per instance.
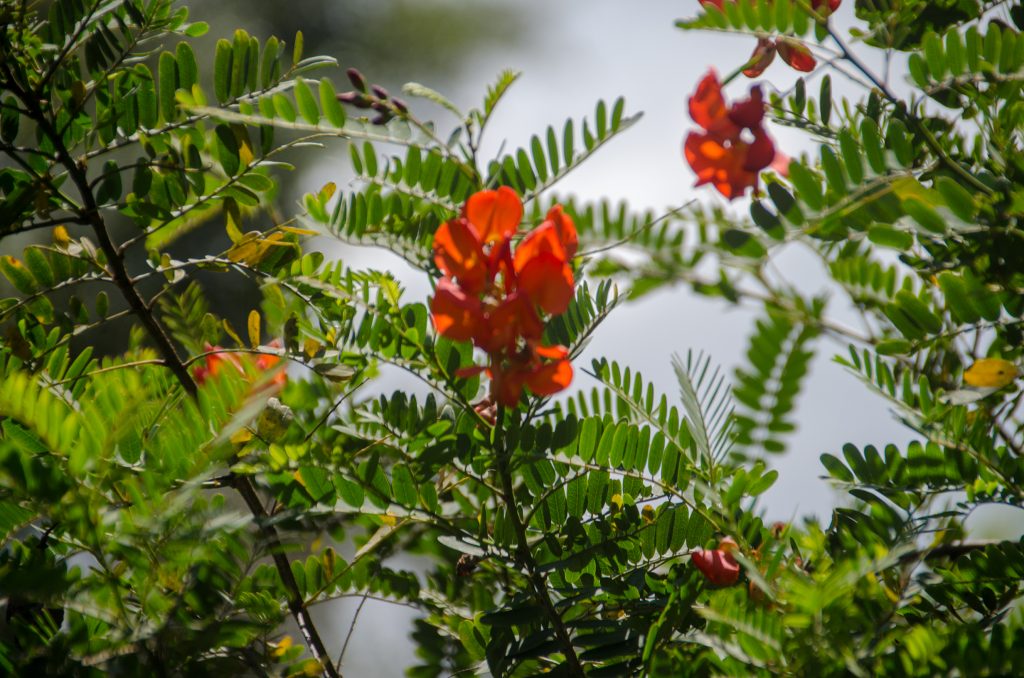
(547, 280)
(550, 378)
(796, 54)
(717, 565)
(495, 214)
(514, 318)
(459, 254)
(762, 58)
(456, 315)
(565, 228)
(760, 153)
(553, 352)
(750, 112)
(507, 385)
(707, 106)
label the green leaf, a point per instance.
(306, 102)
(227, 150)
(168, 83)
(222, 71)
(959, 200)
(187, 68)
(924, 215)
(38, 266)
(333, 111)
(415, 89)
(887, 236)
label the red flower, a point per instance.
(831, 5)
(495, 213)
(459, 253)
(761, 58)
(215, 362)
(796, 54)
(493, 296)
(219, 359)
(723, 155)
(792, 51)
(718, 565)
(265, 362)
(542, 369)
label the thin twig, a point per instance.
(351, 629)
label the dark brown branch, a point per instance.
(119, 272)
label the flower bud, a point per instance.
(380, 92)
(400, 104)
(381, 119)
(357, 79)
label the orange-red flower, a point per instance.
(544, 370)
(734, 147)
(792, 51)
(796, 54)
(494, 297)
(218, 359)
(718, 565)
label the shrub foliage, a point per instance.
(180, 503)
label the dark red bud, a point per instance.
(381, 119)
(357, 79)
(380, 91)
(400, 104)
(348, 97)
(380, 107)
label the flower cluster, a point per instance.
(718, 565)
(792, 51)
(494, 296)
(734, 146)
(219, 359)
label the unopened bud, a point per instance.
(400, 105)
(357, 79)
(348, 97)
(380, 91)
(381, 119)
(380, 107)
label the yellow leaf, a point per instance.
(231, 332)
(297, 231)
(252, 249)
(282, 646)
(311, 347)
(254, 328)
(327, 192)
(647, 513)
(241, 436)
(233, 220)
(991, 373)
